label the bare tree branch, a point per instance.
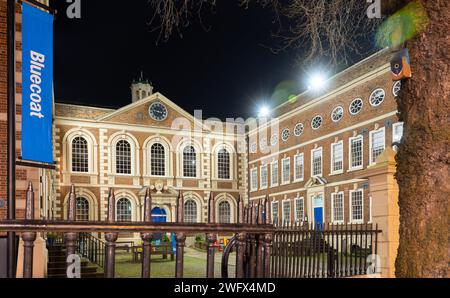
(331, 30)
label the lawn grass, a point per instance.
(160, 268)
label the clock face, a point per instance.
(158, 111)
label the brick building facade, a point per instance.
(345, 128)
(309, 157)
(23, 174)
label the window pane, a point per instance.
(275, 212)
(286, 169)
(123, 210)
(398, 132)
(80, 155)
(299, 210)
(338, 157)
(158, 160)
(274, 173)
(189, 162)
(264, 176)
(123, 157)
(356, 152)
(254, 179)
(299, 166)
(378, 144)
(338, 207)
(317, 163)
(286, 211)
(82, 209)
(223, 164)
(224, 212)
(357, 205)
(190, 211)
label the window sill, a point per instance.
(157, 177)
(285, 183)
(355, 169)
(298, 181)
(263, 188)
(274, 185)
(357, 222)
(336, 173)
(81, 173)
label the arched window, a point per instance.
(82, 209)
(189, 162)
(80, 155)
(144, 94)
(157, 160)
(223, 164)
(224, 212)
(123, 157)
(123, 210)
(190, 211)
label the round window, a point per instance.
(298, 130)
(337, 114)
(285, 135)
(377, 97)
(396, 88)
(253, 148)
(356, 106)
(316, 123)
(274, 140)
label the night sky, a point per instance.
(227, 71)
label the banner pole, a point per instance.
(11, 180)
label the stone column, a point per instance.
(385, 210)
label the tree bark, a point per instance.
(423, 172)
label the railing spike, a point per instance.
(29, 203)
(180, 208)
(268, 211)
(72, 210)
(148, 206)
(111, 205)
(211, 208)
(240, 217)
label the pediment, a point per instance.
(316, 181)
(137, 113)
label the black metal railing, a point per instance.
(253, 227)
(323, 251)
(92, 248)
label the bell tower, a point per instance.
(141, 88)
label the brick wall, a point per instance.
(23, 174)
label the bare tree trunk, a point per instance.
(423, 172)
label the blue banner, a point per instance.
(37, 84)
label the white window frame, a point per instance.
(312, 162)
(283, 215)
(394, 126)
(254, 179)
(382, 129)
(302, 157)
(333, 195)
(263, 184)
(350, 163)
(284, 182)
(277, 203)
(272, 183)
(297, 200)
(333, 171)
(356, 221)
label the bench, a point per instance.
(124, 245)
(163, 249)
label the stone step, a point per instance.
(62, 264)
(84, 269)
(83, 275)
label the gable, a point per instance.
(137, 113)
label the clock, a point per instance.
(158, 111)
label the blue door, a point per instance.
(318, 216)
(158, 215)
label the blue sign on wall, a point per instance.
(37, 84)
